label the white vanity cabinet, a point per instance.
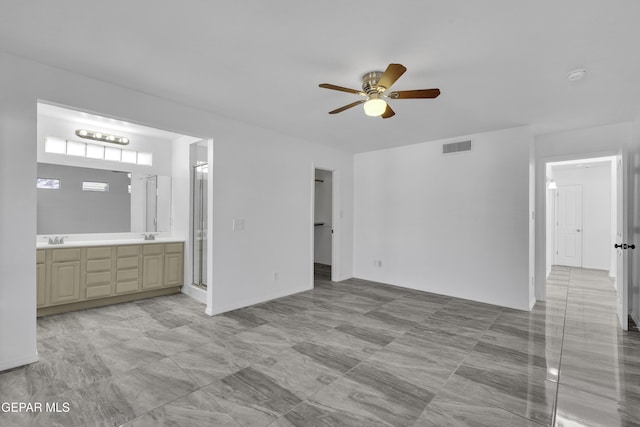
(83, 277)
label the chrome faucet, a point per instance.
(149, 236)
(56, 240)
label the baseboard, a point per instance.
(10, 364)
(524, 307)
(532, 304)
(253, 301)
(196, 293)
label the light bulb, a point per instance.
(82, 132)
(97, 135)
(375, 107)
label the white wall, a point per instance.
(323, 214)
(596, 210)
(259, 175)
(578, 144)
(454, 225)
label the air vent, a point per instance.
(456, 147)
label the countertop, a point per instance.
(105, 242)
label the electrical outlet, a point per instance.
(379, 263)
(276, 275)
(238, 224)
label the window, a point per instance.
(55, 145)
(48, 183)
(95, 151)
(95, 186)
(129, 156)
(76, 148)
(114, 154)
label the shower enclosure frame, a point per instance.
(199, 232)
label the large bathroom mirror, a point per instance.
(77, 200)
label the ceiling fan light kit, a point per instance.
(375, 106)
(375, 84)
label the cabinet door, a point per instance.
(41, 280)
(173, 270)
(151, 272)
(65, 282)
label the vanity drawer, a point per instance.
(125, 287)
(99, 253)
(173, 248)
(127, 275)
(124, 251)
(127, 263)
(99, 265)
(99, 291)
(62, 255)
(152, 249)
(98, 278)
(41, 256)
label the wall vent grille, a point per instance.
(456, 147)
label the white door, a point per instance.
(569, 225)
(621, 236)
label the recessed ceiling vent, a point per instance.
(456, 147)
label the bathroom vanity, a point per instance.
(79, 275)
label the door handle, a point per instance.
(624, 246)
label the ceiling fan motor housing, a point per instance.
(370, 83)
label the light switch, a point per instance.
(238, 224)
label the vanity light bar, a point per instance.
(104, 137)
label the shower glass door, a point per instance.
(200, 174)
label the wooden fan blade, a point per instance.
(346, 107)
(391, 74)
(388, 113)
(418, 93)
(342, 89)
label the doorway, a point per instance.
(585, 218)
(323, 225)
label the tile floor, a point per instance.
(354, 353)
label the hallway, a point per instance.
(599, 380)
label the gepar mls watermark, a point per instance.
(27, 407)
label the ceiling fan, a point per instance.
(374, 86)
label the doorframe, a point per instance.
(335, 224)
(541, 207)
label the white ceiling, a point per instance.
(498, 63)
